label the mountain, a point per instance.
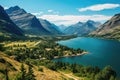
(82, 29)
(92, 23)
(26, 21)
(110, 29)
(62, 27)
(50, 27)
(7, 27)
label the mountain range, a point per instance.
(82, 29)
(7, 28)
(62, 27)
(15, 21)
(29, 23)
(50, 27)
(110, 29)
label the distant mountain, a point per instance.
(26, 21)
(62, 27)
(110, 29)
(7, 27)
(50, 27)
(91, 23)
(82, 29)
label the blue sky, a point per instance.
(68, 12)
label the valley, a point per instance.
(49, 46)
(40, 56)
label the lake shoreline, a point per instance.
(73, 55)
(101, 52)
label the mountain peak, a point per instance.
(50, 27)
(90, 21)
(117, 14)
(80, 22)
(14, 9)
(3, 14)
(7, 26)
(26, 21)
(81, 28)
(110, 29)
(1, 7)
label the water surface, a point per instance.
(101, 52)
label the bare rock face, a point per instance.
(50, 27)
(26, 21)
(110, 29)
(7, 27)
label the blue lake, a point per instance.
(101, 52)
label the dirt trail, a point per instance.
(37, 43)
(72, 76)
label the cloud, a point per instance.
(53, 12)
(72, 19)
(50, 10)
(6, 7)
(99, 7)
(38, 13)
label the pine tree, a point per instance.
(22, 75)
(30, 74)
(23, 72)
(6, 74)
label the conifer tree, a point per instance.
(22, 75)
(30, 74)
(6, 74)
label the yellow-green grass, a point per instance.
(47, 74)
(19, 44)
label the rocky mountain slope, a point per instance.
(26, 21)
(82, 29)
(7, 28)
(50, 27)
(110, 29)
(62, 27)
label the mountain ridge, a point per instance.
(82, 29)
(110, 29)
(26, 21)
(50, 27)
(7, 28)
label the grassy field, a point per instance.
(14, 67)
(39, 53)
(46, 74)
(19, 44)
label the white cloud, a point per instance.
(72, 19)
(38, 13)
(99, 7)
(53, 12)
(6, 7)
(50, 10)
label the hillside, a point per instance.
(62, 27)
(40, 52)
(13, 61)
(50, 27)
(82, 29)
(13, 67)
(26, 21)
(110, 29)
(8, 29)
